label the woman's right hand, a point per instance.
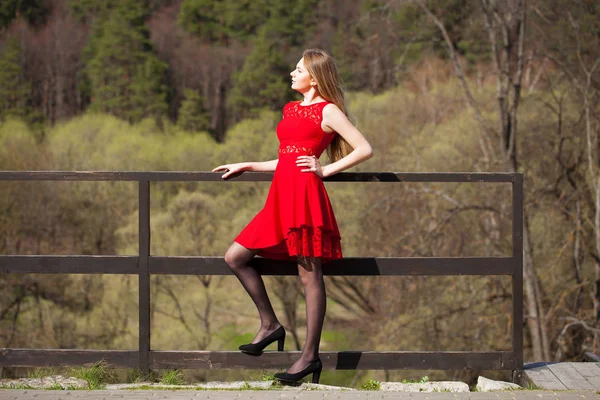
(233, 170)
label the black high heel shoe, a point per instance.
(314, 367)
(256, 349)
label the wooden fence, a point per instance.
(145, 264)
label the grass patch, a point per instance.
(96, 376)
(532, 386)
(20, 386)
(134, 375)
(268, 377)
(371, 384)
(173, 377)
(42, 372)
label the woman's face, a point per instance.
(301, 79)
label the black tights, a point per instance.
(311, 275)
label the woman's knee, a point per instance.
(309, 270)
(232, 259)
(235, 257)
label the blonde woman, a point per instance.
(297, 222)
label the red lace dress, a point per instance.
(297, 219)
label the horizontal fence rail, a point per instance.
(362, 266)
(145, 264)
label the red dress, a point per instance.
(297, 219)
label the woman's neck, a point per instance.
(312, 96)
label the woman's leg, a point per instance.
(311, 275)
(238, 257)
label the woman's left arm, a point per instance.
(337, 121)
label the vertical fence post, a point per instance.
(517, 277)
(144, 277)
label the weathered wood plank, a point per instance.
(517, 277)
(541, 376)
(594, 381)
(20, 357)
(335, 360)
(144, 276)
(168, 359)
(156, 176)
(586, 369)
(569, 376)
(589, 370)
(68, 264)
(350, 266)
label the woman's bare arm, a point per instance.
(263, 166)
(233, 170)
(337, 121)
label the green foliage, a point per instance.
(263, 81)
(193, 223)
(41, 372)
(148, 92)
(18, 149)
(14, 87)
(91, 9)
(463, 21)
(291, 23)
(173, 377)
(268, 377)
(125, 76)
(243, 17)
(245, 386)
(429, 131)
(572, 36)
(97, 375)
(201, 17)
(339, 339)
(134, 375)
(232, 338)
(218, 21)
(34, 11)
(193, 116)
(371, 384)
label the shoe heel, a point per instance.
(280, 343)
(316, 376)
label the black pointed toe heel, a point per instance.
(256, 349)
(314, 367)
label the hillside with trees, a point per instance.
(436, 86)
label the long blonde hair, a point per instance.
(322, 68)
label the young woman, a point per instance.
(297, 222)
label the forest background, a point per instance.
(186, 85)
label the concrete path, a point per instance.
(31, 394)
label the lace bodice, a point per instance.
(300, 131)
(310, 112)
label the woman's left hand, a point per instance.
(312, 163)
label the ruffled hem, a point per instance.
(308, 241)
